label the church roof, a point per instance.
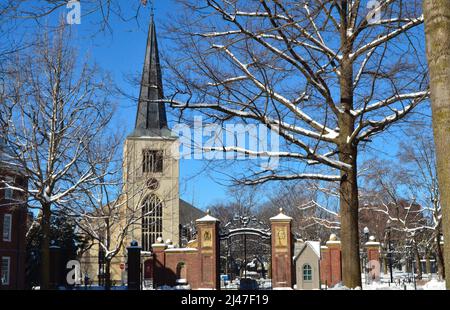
(189, 213)
(151, 119)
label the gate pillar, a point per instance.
(373, 249)
(208, 245)
(134, 266)
(282, 251)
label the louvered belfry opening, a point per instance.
(152, 161)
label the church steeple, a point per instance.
(151, 117)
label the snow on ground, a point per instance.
(402, 281)
(434, 285)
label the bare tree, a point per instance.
(437, 30)
(327, 75)
(52, 109)
(9, 42)
(421, 173)
(405, 194)
(311, 220)
(99, 12)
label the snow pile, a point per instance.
(340, 286)
(383, 286)
(430, 285)
(174, 288)
(434, 285)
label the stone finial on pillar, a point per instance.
(134, 266)
(334, 248)
(282, 251)
(208, 245)
(373, 258)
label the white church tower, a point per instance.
(151, 168)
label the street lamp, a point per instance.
(366, 233)
(365, 257)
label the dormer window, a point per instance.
(152, 161)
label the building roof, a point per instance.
(151, 119)
(313, 245)
(189, 213)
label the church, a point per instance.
(150, 175)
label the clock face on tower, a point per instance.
(152, 184)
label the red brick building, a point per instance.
(13, 223)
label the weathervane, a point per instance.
(152, 7)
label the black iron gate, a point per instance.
(245, 253)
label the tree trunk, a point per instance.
(45, 247)
(440, 258)
(385, 264)
(418, 262)
(351, 275)
(437, 33)
(428, 264)
(107, 274)
(351, 270)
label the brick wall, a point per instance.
(330, 262)
(199, 265)
(16, 248)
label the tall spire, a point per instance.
(151, 117)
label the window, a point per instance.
(9, 193)
(6, 262)
(7, 225)
(151, 221)
(307, 272)
(152, 161)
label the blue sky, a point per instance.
(121, 53)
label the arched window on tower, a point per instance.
(151, 221)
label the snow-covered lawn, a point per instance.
(402, 281)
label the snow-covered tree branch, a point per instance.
(49, 101)
(326, 73)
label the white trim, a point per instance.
(281, 217)
(207, 218)
(5, 216)
(8, 259)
